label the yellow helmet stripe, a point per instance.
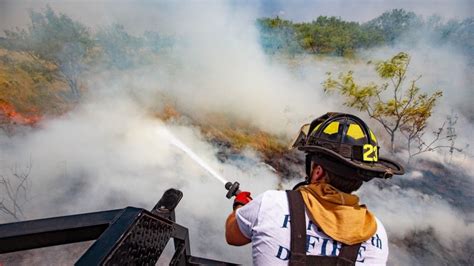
(332, 128)
(316, 128)
(355, 132)
(372, 136)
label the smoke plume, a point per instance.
(111, 151)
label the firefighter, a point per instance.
(320, 221)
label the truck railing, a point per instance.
(129, 236)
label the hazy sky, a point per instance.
(364, 10)
(136, 14)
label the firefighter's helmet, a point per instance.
(344, 144)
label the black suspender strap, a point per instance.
(298, 228)
(347, 255)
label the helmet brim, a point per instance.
(383, 167)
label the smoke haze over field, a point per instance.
(95, 159)
(93, 13)
(110, 152)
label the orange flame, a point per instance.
(8, 112)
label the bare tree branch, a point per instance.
(15, 188)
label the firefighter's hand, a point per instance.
(241, 199)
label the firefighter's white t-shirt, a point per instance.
(266, 221)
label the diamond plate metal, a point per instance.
(143, 244)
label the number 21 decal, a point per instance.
(370, 153)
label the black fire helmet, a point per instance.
(344, 144)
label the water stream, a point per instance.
(175, 141)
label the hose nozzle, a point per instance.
(233, 189)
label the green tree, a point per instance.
(278, 35)
(414, 123)
(398, 108)
(393, 24)
(459, 34)
(119, 47)
(56, 39)
(325, 35)
(157, 42)
(307, 36)
(328, 35)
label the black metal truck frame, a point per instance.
(129, 236)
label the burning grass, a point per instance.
(10, 115)
(236, 133)
(243, 138)
(168, 112)
(27, 86)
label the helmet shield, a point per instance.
(300, 139)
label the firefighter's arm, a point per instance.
(233, 235)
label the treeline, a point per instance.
(334, 36)
(62, 48)
(65, 49)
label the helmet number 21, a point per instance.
(370, 153)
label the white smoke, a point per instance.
(109, 152)
(425, 211)
(406, 212)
